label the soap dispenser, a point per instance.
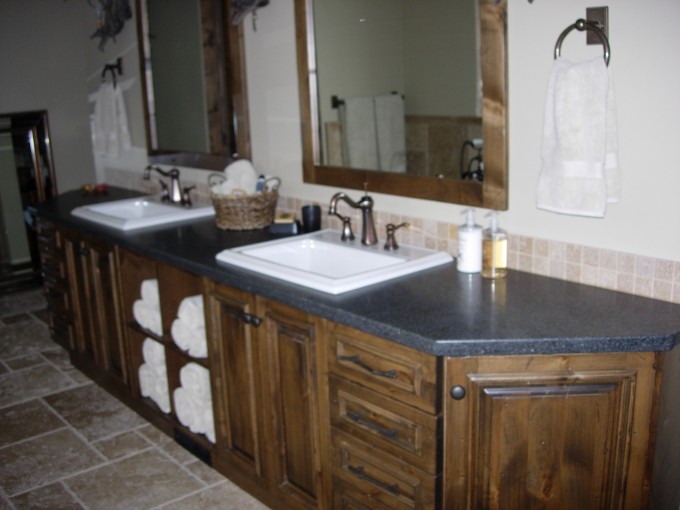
(494, 249)
(469, 244)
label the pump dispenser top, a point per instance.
(494, 249)
(469, 244)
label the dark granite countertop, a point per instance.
(439, 311)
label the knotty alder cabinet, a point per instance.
(311, 414)
(549, 432)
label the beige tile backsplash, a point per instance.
(625, 272)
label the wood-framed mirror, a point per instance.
(325, 141)
(193, 81)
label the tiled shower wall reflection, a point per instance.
(633, 274)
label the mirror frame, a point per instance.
(492, 193)
(230, 67)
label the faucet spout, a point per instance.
(175, 189)
(368, 232)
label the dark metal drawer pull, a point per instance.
(356, 359)
(251, 319)
(359, 418)
(359, 472)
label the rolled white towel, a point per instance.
(209, 423)
(191, 340)
(199, 344)
(154, 385)
(185, 408)
(190, 311)
(149, 291)
(153, 353)
(146, 380)
(196, 380)
(161, 394)
(148, 316)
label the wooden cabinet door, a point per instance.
(234, 367)
(548, 432)
(93, 276)
(295, 406)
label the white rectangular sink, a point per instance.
(142, 212)
(322, 261)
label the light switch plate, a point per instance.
(599, 15)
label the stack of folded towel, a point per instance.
(147, 310)
(193, 400)
(153, 376)
(188, 329)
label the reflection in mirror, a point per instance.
(194, 82)
(403, 95)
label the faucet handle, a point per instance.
(391, 242)
(347, 234)
(186, 197)
(165, 192)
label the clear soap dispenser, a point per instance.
(469, 244)
(494, 249)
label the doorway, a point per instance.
(28, 178)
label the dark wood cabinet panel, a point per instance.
(548, 431)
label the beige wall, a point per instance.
(644, 40)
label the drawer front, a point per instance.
(390, 369)
(398, 429)
(375, 480)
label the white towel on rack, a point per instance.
(111, 132)
(360, 148)
(579, 172)
(391, 132)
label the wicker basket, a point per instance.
(244, 212)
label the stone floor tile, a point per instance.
(50, 497)
(24, 338)
(42, 460)
(122, 445)
(225, 496)
(145, 480)
(30, 383)
(30, 360)
(204, 472)
(26, 420)
(93, 412)
(19, 302)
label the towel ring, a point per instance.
(582, 25)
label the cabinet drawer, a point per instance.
(366, 477)
(400, 430)
(386, 367)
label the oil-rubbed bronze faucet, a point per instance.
(368, 233)
(175, 194)
(391, 242)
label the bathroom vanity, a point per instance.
(434, 390)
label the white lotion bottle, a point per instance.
(469, 245)
(495, 250)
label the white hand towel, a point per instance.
(146, 380)
(190, 311)
(360, 148)
(111, 131)
(391, 132)
(148, 290)
(579, 172)
(184, 407)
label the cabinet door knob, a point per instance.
(458, 392)
(249, 318)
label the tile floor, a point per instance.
(66, 444)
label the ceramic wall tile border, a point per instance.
(625, 272)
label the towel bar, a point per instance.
(582, 25)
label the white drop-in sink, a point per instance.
(142, 212)
(322, 261)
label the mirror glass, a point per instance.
(408, 97)
(193, 72)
